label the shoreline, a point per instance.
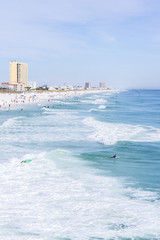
(9, 100)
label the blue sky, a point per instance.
(72, 42)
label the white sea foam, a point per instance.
(57, 196)
(96, 110)
(95, 102)
(10, 122)
(102, 107)
(111, 133)
(60, 125)
(100, 101)
(93, 110)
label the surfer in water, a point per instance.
(115, 156)
(26, 161)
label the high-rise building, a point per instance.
(102, 85)
(87, 85)
(19, 73)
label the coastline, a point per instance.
(9, 100)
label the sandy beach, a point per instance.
(9, 101)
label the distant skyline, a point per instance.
(72, 42)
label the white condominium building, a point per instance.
(32, 85)
(19, 73)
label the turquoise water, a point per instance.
(72, 189)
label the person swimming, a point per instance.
(115, 156)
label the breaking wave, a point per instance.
(111, 133)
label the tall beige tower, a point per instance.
(19, 73)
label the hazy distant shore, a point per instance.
(8, 101)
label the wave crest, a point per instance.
(111, 133)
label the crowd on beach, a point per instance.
(8, 101)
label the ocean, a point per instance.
(73, 189)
